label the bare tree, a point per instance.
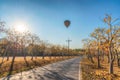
(97, 34)
(32, 41)
(87, 45)
(112, 34)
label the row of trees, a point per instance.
(104, 42)
(17, 43)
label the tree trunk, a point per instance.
(108, 58)
(3, 57)
(118, 62)
(90, 58)
(111, 67)
(98, 58)
(117, 58)
(12, 64)
(32, 57)
(43, 55)
(111, 57)
(7, 56)
(50, 56)
(98, 62)
(102, 55)
(24, 56)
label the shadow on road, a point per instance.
(43, 73)
(56, 76)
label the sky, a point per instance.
(46, 17)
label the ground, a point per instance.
(64, 70)
(20, 64)
(91, 72)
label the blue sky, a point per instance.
(46, 17)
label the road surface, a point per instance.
(64, 70)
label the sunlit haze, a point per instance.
(46, 17)
(20, 27)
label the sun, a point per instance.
(20, 27)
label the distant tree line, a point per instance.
(16, 43)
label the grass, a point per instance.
(22, 65)
(91, 72)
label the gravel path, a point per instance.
(64, 70)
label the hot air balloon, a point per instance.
(67, 23)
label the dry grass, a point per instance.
(21, 65)
(91, 72)
(22, 58)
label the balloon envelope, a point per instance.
(67, 23)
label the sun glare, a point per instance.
(20, 27)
